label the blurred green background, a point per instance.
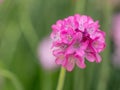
(24, 23)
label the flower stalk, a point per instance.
(61, 79)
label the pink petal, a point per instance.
(98, 58)
(57, 52)
(90, 57)
(60, 59)
(83, 19)
(99, 46)
(80, 62)
(70, 66)
(70, 63)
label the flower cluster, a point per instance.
(75, 38)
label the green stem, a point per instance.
(61, 79)
(12, 77)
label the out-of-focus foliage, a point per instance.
(24, 23)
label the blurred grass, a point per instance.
(23, 23)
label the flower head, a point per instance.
(76, 38)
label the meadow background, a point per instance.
(23, 25)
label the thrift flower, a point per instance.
(76, 38)
(116, 40)
(45, 55)
(116, 30)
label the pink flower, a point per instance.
(116, 30)
(47, 60)
(76, 38)
(116, 40)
